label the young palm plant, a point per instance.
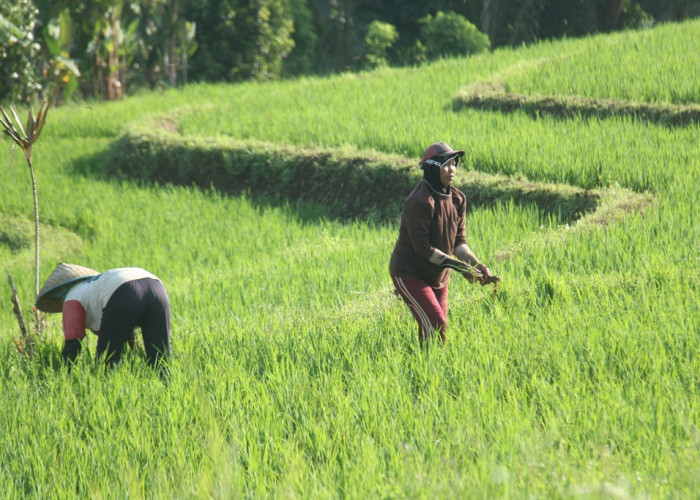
(25, 137)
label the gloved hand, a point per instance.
(471, 273)
(70, 351)
(455, 264)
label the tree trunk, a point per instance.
(611, 16)
(171, 68)
(37, 319)
(347, 31)
(486, 18)
(113, 83)
(174, 47)
(489, 21)
(36, 228)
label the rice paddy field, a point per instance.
(296, 372)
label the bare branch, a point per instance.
(17, 308)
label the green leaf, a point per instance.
(4, 124)
(7, 122)
(192, 48)
(14, 136)
(66, 26)
(40, 121)
(51, 43)
(8, 26)
(70, 87)
(19, 123)
(70, 64)
(30, 121)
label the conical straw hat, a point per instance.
(61, 279)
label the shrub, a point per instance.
(240, 39)
(379, 39)
(450, 34)
(19, 72)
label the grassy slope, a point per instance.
(295, 369)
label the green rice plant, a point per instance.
(296, 372)
(304, 174)
(567, 107)
(668, 55)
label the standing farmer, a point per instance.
(431, 231)
(111, 304)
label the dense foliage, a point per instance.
(380, 37)
(108, 48)
(449, 34)
(20, 59)
(240, 39)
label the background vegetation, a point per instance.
(296, 372)
(106, 49)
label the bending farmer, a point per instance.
(111, 304)
(431, 231)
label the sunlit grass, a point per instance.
(610, 67)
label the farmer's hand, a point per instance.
(70, 351)
(468, 271)
(486, 275)
(471, 277)
(480, 273)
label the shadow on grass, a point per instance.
(492, 97)
(334, 184)
(316, 184)
(17, 241)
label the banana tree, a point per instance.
(25, 137)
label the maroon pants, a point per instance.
(428, 305)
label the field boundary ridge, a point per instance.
(17, 239)
(343, 183)
(489, 96)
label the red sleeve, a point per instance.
(73, 320)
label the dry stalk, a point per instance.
(26, 340)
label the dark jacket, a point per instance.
(429, 220)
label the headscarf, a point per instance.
(431, 172)
(433, 159)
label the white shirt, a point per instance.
(85, 301)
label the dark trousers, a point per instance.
(143, 303)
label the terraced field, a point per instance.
(270, 210)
